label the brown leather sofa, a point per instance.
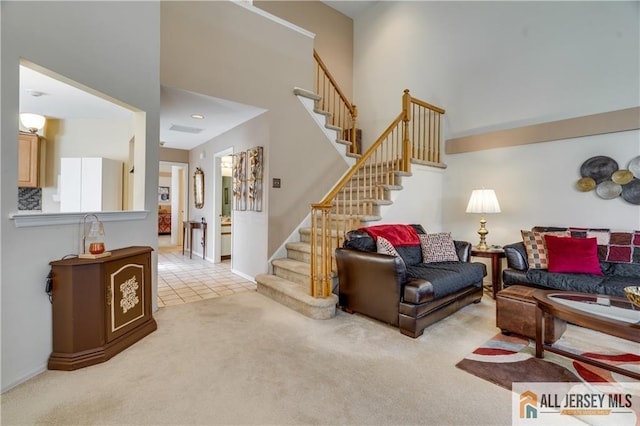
(410, 297)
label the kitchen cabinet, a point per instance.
(30, 160)
(100, 306)
(90, 184)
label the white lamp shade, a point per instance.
(33, 122)
(483, 201)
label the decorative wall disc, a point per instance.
(622, 177)
(608, 190)
(585, 184)
(634, 166)
(631, 192)
(600, 168)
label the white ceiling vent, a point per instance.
(185, 129)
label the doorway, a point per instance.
(223, 228)
(172, 202)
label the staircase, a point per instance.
(289, 282)
(306, 280)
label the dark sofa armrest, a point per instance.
(516, 256)
(417, 290)
(463, 249)
(370, 283)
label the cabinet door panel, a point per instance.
(126, 281)
(28, 160)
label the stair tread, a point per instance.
(428, 163)
(306, 93)
(362, 217)
(308, 231)
(299, 246)
(283, 281)
(293, 265)
(369, 171)
(375, 201)
(294, 291)
(322, 112)
(384, 186)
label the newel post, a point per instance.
(406, 143)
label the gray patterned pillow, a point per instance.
(438, 247)
(385, 247)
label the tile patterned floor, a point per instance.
(183, 280)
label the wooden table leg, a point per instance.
(539, 333)
(204, 241)
(190, 242)
(496, 268)
(184, 236)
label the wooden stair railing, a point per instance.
(413, 135)
(343, 113)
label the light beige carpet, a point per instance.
(244, 359)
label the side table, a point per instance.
(191, 225)
(496, 255)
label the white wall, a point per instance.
(114, 48)
(219, 57)
(84, 138)
(250, 228)
(419, 201)
(495, 65)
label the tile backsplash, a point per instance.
(29, 198)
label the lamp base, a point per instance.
(482, 245)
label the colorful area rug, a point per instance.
(504, 360)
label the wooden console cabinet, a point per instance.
(100, 306)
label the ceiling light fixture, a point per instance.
(33, 122)
(197, 116)
(35, 93)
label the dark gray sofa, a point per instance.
(616, 275)
(402, 291)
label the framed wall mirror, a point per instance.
(198, 188)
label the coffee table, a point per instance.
(612, 315)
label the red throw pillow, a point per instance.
(573, 255)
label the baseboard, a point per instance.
(245, 276)
(24, 378)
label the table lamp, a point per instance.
(96, 237)
(483, 201)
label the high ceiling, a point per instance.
(176, 122)
(51, 97)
